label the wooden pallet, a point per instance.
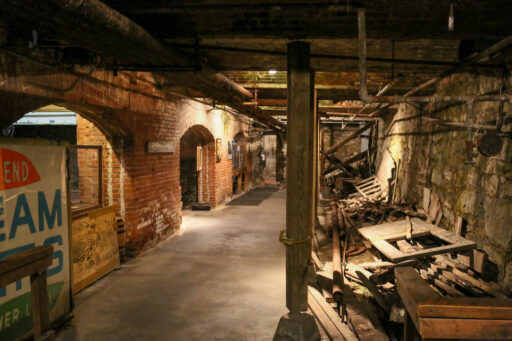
(381, 235)
(369, 188)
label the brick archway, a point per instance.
(197, 177)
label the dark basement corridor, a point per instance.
(220, 278)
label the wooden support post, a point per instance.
(300, 194)
(40, 313)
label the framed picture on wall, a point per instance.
(218, 150)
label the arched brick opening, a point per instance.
(197, 166)
(242, 162)
(84, 167)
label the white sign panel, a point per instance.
(33, 212)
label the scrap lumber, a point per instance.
(383, 276)
(404, 246)
(408, 233)
(445, 262)
(363, 318)
(327, 317)
(318, 263)
(458, 226)
(390, 265)
(381, 235)
(372, 288)
(369, 188)
(437, 317)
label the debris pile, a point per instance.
(360, 241)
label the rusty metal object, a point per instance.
(337, 277)
(490, 144)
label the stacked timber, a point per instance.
(361, 243)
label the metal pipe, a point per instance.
(112, 34)
(337, 278)
(439, 121)
(365, 97)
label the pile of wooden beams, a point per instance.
(354, 167)
(359, 246)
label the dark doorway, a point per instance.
(197, 161)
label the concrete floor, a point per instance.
(221, 278)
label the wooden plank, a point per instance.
(478, 283)
(300, 173)
(404, 246)
(426, 199)
(395, 257)
(372, 288)
(467, 308)
(472, 329)
(478, 261)
(20, 259)
(389, 250)
(331, 314)
(448, 288)
(395, 230)
(380, 235)
(324, 320)
(413, 290)
(458, 226)
(94, 247)
(39, 297)
(318, 263)
(25, 270)
(364, 320)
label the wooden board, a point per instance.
(468, 307)
(452, 317)
(94, 249)
(328, 317)
(467, 329)
(369, 188)
(381, 235)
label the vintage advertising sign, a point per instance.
(33, 212)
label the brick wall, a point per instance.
(89, 134)
(122, 114)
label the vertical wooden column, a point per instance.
(301, 132)
(300, 176)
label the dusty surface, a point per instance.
(221, 278)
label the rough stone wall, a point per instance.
(334, 133)
(434, 156)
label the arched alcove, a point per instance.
(242, 162)
(197, 166)
(92, 157)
